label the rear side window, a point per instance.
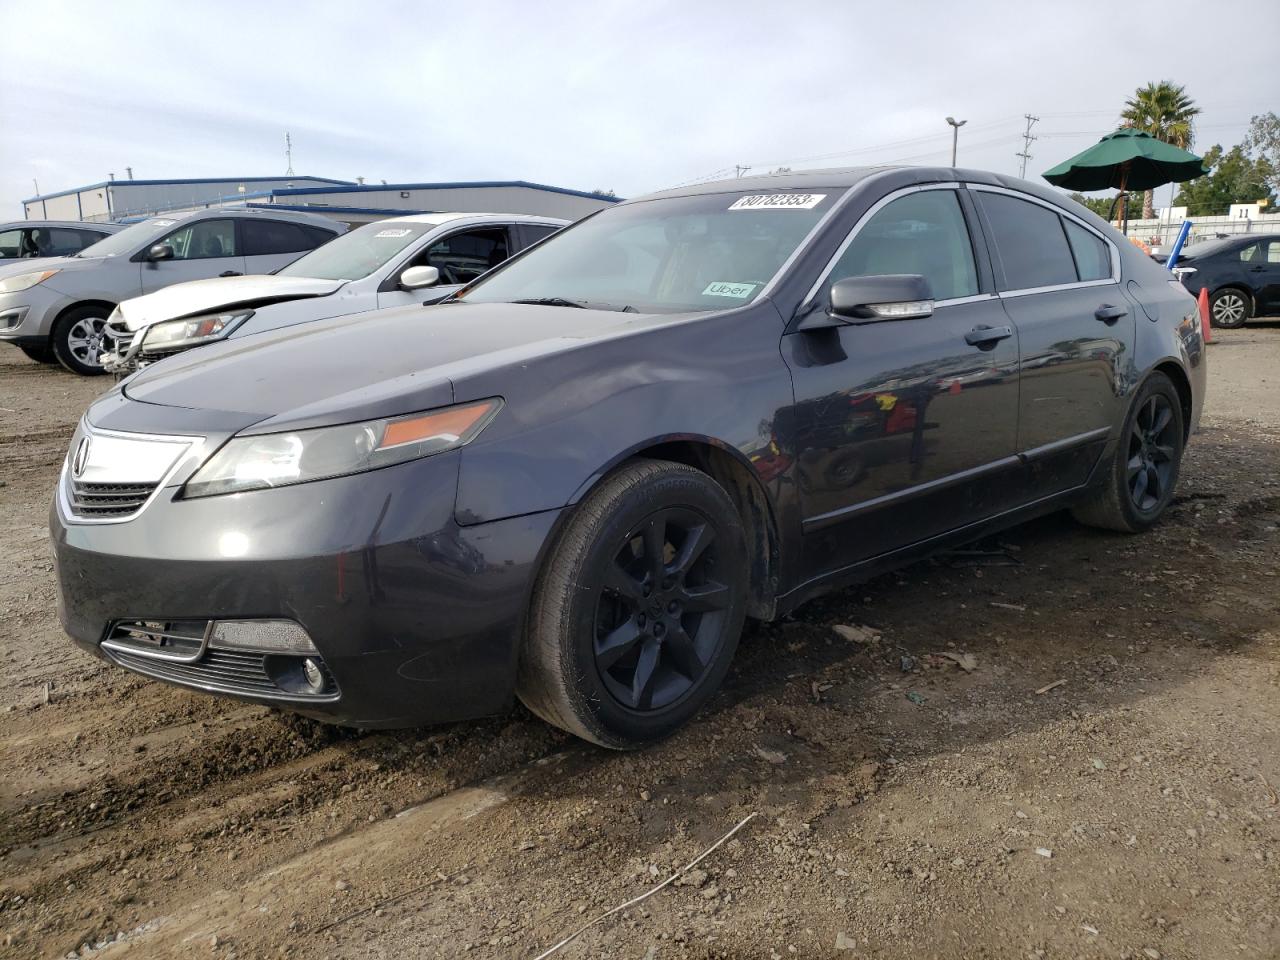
(922, 233)
(1093, 259)
(266, 237)
(1273, 251)
(1032, 247)
(1247, 254)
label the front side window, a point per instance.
(670, 255)
(11, 244)
(922, 233)
(266, 237)
(463, 257)
(203, 240)
(1093, 258)
(1030, 241)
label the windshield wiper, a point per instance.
(552, 302)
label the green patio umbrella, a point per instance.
(1128, 159)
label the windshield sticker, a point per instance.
(722, 288)
(393, 234)
(778, 201)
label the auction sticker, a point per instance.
(392, 234)
(721, 288)
(778, 201)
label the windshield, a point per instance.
(357, 254)
(707, 252)
(128, 239)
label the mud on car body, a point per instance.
(573, 482)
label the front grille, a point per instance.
(114, 500)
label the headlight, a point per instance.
(179, 334)
(25, 281)
(280, 459)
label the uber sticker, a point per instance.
(720, 288)
(778, 201)
(394, 234)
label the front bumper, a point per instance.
(416, 617)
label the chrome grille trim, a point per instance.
(160, 639)
(108, 499)
(114, 488)
(234, 672)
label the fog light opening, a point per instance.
(314, 675)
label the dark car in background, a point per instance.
(33, 239)
(1242, 275)
(572, 483)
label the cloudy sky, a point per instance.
(632, 96)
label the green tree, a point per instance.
(1234, 177)
(1102, 206)
(1262, 142)
(1166, 112)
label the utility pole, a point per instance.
(37, 185)
(739, 170)
(1027, 139)
(288, 154)
(128, 172)
(955, 136)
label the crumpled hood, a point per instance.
(220, 293)
(363, 366)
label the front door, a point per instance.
(1265, 277)
(1060, 286)
(203, 249)
(904, 429)
(460, 257)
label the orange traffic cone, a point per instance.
(1204, 314)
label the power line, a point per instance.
(1027, 140)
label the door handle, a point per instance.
(1109, 314)
(982, 336)
(1258, 269)
(231, 273)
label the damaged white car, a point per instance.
(416, 259)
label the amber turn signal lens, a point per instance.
(452, 424)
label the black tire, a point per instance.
(38, 354)
(618, 650)
(79, 339)
(1230, 308)
(1144, 470)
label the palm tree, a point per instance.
(1166, 112)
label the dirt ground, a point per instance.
(905, 807)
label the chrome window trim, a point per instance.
(1053, 288)
(191, 444)
(862, 221)
(1054, 208)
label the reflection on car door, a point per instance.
(918, 413)
(1059, 284)
(460, 257)
(205, 248)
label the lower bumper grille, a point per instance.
(146, 649)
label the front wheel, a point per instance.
(1229, 308)
(1142, 475)
(637, 611)
(80, 338)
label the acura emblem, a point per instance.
(81, 459)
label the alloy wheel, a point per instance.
(88, 339)
(1229, 309)
(1152, 451)
(659, 610)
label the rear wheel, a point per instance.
(39, 354)
(1229, 308)
(80, 338)
(1144, 471)
(638, 609)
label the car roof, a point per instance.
(72, 224)
(251, 213)
(436, 219)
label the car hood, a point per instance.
(363, 366)
(220, 293)
(15, 268)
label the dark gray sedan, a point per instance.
(573, 483)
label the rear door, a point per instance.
(201, 249)
(904, 429)
(460, 256)
(1059, 282)
(1266, 277)
(271, 244)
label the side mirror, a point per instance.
(902, 296)
(415, 278)
(161, 251)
